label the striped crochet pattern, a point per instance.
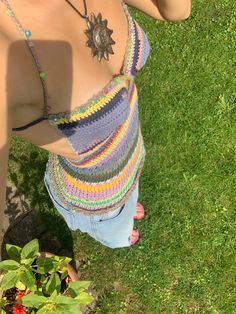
(105, 133)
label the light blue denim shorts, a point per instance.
(112, 229)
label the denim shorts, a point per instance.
(112, 229)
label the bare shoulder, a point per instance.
(160, 10)
(4, 33)
(8, 65)
(6, 99)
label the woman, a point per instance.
(86, 55)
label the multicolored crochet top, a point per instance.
(105, 133)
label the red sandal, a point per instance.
(139, 211)
(135, 235)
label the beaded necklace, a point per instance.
(26, 34)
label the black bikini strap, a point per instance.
(29, 124)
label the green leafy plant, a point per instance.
(33, 282)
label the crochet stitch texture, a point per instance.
(106, 134)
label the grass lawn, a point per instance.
(185, 261)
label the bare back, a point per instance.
(72, 75)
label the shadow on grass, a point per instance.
(29, 211)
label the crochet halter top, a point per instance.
(105, 133)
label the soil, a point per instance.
(22, 225)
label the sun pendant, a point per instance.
(99, 37)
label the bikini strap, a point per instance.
(26, 34)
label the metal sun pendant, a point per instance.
(99, 37)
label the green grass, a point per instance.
(185, 261)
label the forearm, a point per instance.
(6, 127)
(3, 226)
(3, 179)
(164, 10)
(174, 9)
(3, 215)
(4, 155)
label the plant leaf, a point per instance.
(64, 273)
(68, 309)
(30, 250)
(14, 252)
(9, 265)
(83, 284)
(63, 300)
(20, 285)
(33, 300)
(43, 310)
(27, 278)
(27, 261)
(3, 302)
(10, 279)
(48, 309)
(76, 287)
(53, 296)
(53, 284)
(84, 298)
(64, 261)
(45, 264)
(61, 262)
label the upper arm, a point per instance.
(160, 10)
(5, 120)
